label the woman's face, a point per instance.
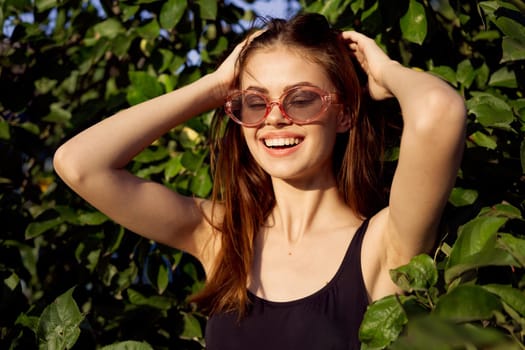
(286, 150)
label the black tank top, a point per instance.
(329, 319)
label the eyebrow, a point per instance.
(286, 88)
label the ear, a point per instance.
(344, 120)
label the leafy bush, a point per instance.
(72, 278)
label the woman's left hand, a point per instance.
(373, 61)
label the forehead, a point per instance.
(276, 68)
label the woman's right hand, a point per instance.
(225, 73)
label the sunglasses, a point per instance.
(300, 105)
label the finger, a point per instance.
(353, 36)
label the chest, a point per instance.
(283, 272)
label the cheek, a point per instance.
(249, 137)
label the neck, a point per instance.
(307, 208)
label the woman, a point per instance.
(294, 240)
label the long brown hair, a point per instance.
(245, 190)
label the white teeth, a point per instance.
(281, 142)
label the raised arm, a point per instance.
(92, 164)
(430, 152)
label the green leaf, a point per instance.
(12, 281)
(473, 236)
(467, 303)
(58, 114)
(192, 161)
(4, 130)
(518, 106)
(522, 156)
(44, 5)
(503, 210)
(128, 345)
(514, 245)
(189, 138)
(192, 328)
(93, 258)
(444, 8)
(173, 167)
(490, 111)
(171, 13)
(414, 23)
(382, 323)
(151, 154)
(445, 72)
(487, 35)
(114, 240)
(201, 183)
(168, 81)
(492, 255)
(125, 278)
(128, 11)
(489, 7)
(146, 173)
(92, 218)
(30, 322)
(167, 58)
(58, 327)
(391, 154)
(513, 50)
(466, 73)
(482, 76)
(150, 30)
(503, 77)
(67, 214)
(155, 301)
(419, 274)
(512, 296)
(29, 127)
(143, 87)
(121, 44)
(45, 85)
(221, 45)
(371, 11)
(483, 140)
(511, 28)
(460, 197)
(478, 245)
(332, 9)
(109, 28)
(208, 9)
(430, 332)
(35, 229)
(357, 5)
(163, 278)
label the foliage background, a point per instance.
(70, 278)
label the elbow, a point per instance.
(455, 110)
(448, 105)
(67, 166)
(444, 112)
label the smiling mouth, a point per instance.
(282, 142)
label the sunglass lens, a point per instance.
(303, 104)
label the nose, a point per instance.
(275, 115)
